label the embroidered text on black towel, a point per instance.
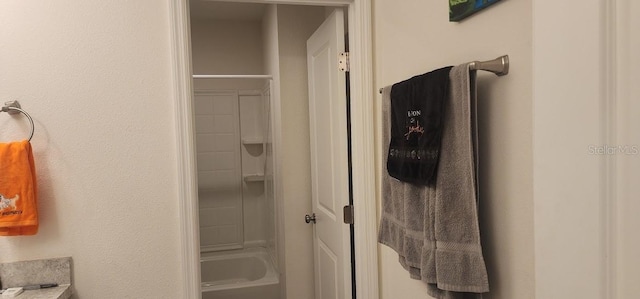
(416, 126)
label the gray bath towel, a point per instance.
(434, 229)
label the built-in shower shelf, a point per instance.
(252, 140)
(249, 178)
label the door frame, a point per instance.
(575, 190)
(362, 140)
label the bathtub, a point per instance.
(239, 274)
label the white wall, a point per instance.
(96, 78)
(295, 26)
(416, 37)
(628, 164)
(227, 47)
(586, 190)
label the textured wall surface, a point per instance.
(417, 37)
(96, 78)
(227, 47)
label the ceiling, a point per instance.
(216, 10)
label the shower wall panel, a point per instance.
(252, 137)
(219, 170)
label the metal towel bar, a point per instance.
(498, 66)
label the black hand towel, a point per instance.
(416, 126)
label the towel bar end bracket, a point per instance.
(498, 66)
(11, 104)
(13, 107)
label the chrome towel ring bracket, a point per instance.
(13, 107)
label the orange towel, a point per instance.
(18, 202)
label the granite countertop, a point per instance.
(35, 272)
(59, 292)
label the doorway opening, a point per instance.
(256, 158)
(363, 186)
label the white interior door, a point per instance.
(329, 159)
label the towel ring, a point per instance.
(13, 107)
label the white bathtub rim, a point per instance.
(270, 277)
(223, 255)
(256, 283)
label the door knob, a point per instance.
(311, 218)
